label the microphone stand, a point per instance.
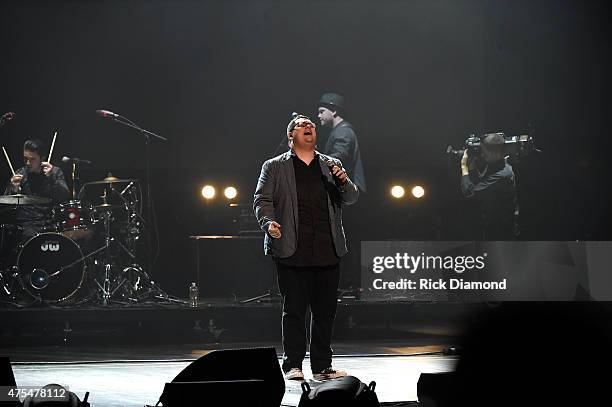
(280, 145)
(284, 138)
(147, 136)
(75, 178)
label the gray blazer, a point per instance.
(276, 200)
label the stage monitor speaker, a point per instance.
(437, 389)
(243, 376)
(6, 372)
(230, 392)
(7, 379)
(61, 397)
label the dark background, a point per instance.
(220, 79)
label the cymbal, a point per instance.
(111, 180)
(20, 199)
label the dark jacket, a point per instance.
(276, 200)
(343, 145)
(53, 187)
(496, 193)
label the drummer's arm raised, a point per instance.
(14, 185)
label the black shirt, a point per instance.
(496, 193)
(37, 184)
(315, 246)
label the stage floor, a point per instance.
(136, 383)
(122, 358)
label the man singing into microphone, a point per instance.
(298, 203)
(38, 178)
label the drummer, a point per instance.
(39, 178)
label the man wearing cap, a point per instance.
(489, 180)
(298, 204)
(343, 145)
(342, 142)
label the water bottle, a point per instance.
(193, 295)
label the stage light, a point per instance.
(418, 191)
(397, 191)
(208, 192)
(230, 192)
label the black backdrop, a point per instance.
(219, 79)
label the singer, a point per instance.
(298, 204)
(39, 178)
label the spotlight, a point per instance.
(397, 191)
(418, 191)
(208, 192)
(230, 192)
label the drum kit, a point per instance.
(87, 247)
(86, 252)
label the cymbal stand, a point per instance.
(106, 287)
(135, 281)
(75, 178)
(8, 279)
(9, 273)
(135, 220)
(140, 284)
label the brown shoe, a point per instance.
(328, 374)
(294, 374)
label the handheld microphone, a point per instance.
(75, 160)
(107, 114)
(330, 164)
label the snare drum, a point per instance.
(74, 219)
(51, 267)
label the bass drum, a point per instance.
(51, 267)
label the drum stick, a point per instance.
(52, 145)
(8, 160)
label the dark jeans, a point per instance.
(301, 287)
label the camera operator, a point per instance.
(489, 180)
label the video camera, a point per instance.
(515, 146)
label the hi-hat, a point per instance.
(110, 180)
